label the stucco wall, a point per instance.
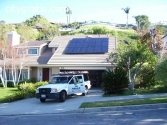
(33, 72)
(55, 70)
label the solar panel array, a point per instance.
(87, 45)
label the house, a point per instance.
(69, 53)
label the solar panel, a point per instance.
(87, 45)
(68, 50)
(82, 50)
(90, 50)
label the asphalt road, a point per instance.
(139, 117)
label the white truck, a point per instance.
(62, 85)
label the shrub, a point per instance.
(146, 77)
(26, 90)
(114, 82)
(30, 88)
(1, 85)
(33, 80)
(10, 84)
(36, 85)
(17, 96)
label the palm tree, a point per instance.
(126, 10)
(68, 12)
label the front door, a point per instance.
(45, 74)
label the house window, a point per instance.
(9, 74)
(24, 74)
(33, 51)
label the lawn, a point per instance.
(6, 92)
(124, 102)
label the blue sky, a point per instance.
(16, 11)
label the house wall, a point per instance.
(33, 72)
(55, 70)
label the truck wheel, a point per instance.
(62, 96)
(86, 91)
(42, 100)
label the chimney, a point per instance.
(13, 38)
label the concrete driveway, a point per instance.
(34, 106)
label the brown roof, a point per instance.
(60, 58)
(33, 44)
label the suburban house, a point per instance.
(67, 53)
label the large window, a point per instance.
(23, 76)
(33, 51)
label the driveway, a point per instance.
(34, 106)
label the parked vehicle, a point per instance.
(62, 85)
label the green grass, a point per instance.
(6, 92)
(124, 102)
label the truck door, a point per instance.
(76, 85)
(81, 83)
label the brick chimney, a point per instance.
(13, 38)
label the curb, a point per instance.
(122, 108)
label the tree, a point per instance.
(13, 60)
(132, 56)
(142, 22)
(161, 71)
(45, 30)
(27, 33)
(4, 29)
(98, 30)
(68, 13)
(126, 10)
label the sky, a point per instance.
(17, 11)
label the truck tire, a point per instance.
(62, 96)
(42, 100)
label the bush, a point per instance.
(17, 96)
(115, 82)
(98, 30)
(10, 84)
(33, 80)
(26, 90)
(1, 85)
(30, 88)
(146, 77)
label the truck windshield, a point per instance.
(57, 80)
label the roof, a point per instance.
(60, 58)
(42, 59)
(33, 44)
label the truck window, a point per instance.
(80, 80)
(57, 80)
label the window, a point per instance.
(24, 74)
(33, 51)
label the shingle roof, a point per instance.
(42, 59)
(59, 57)
(33, 44)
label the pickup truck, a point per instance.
(62, 85)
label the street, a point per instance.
(131, 117)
